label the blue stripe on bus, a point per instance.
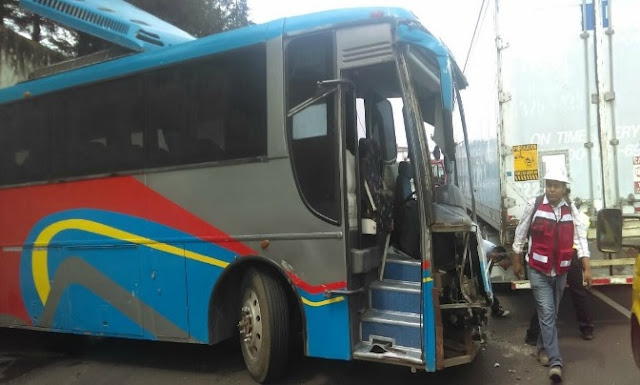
(332, 18)
(149, 273)
(328, 334)
(429, 324)
(143, 61)
(416, 36)
(199, 48)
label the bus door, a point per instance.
(384, 261)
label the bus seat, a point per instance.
(377, 203)
(34, 166)
(403, 182)
(134, 154)
(92, 156)
(9, 170)
(207, 150)
(407, 225)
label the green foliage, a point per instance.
(44, 31)
(198, 17)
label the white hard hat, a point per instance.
(558, 173)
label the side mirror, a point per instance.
(609, 230)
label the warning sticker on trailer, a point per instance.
(636, 174)
(525, 162)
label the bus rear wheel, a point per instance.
(264, 326)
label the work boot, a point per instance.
(531, 338)
(500, 312)
(555, 373)
(587, 333)
(543, 358)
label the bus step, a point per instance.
(398, 328)
(402, 269)
(370, 351)
(399, 296)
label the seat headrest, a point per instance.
(368, 148)
(405, 170)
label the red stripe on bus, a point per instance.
(23, 207)
(11, 302)
(426, 265)
(319, 289)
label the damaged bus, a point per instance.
(243, 184)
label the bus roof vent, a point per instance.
(113, 20)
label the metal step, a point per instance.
(401, 269)
(397, 328)
(398, 296)
(378, 352)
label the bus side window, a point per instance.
(312, 131)
(210, 109)
(24, 135)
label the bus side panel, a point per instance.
(163, 285)
(429, 326)
(260, 202)
(201, 280)
(12, 308)
(85, 273)
(327, 327)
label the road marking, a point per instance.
(625, 312)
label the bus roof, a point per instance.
(220, 42)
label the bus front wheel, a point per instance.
(264, 326)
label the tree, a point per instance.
(198, 17)
(41, 30)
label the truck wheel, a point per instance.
(264, 326)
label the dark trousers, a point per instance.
(579, 296)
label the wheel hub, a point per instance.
(250, 325)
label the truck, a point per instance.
(552, 83)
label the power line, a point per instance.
(481, 13)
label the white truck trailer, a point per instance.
(553, 82)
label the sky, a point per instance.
(453, 21)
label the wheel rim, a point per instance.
(251, 325)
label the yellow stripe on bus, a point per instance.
(427, 279)
(322, 303)
(39, 266)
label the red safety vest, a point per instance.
(551, 239)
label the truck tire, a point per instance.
(264, 326)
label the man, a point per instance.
(579, 296)
(493, 253)
(581, 303)
(552, 229)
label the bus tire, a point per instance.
(264, 326)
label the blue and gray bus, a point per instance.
(246, 184)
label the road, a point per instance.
(36, 358)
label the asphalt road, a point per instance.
(36, 358)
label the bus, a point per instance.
(245, 185)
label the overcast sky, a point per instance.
(452, 21)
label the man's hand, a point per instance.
(516, 263)
(586, 267)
